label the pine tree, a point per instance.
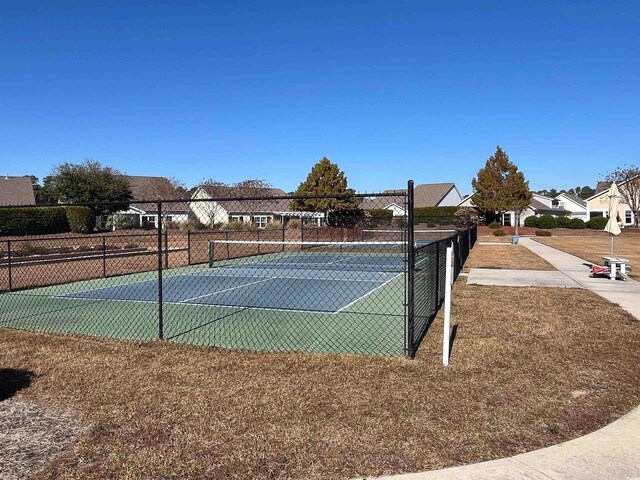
(325, 178)
(500, 187)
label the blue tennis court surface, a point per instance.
(301, 282)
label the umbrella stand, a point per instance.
(612, 236)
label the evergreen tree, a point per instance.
(325, 178)
(500, 187)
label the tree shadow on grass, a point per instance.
(13, 380)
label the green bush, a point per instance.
(379, 217)
(576, 223)
(597, 223)
(435, 215)
(494, 225)
(348, 218)
(531, 221)
(543, 233)
(499, 233)
(81, 219)
(33, 220)
(563, 222)
(547, 221)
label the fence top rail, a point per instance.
(396, 194)
(90, 236)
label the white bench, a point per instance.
(617, 267)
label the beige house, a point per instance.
(598, 206)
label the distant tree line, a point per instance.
(582, 192)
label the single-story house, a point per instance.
(598, 204)
(424, 195)
(539, 205)
(259, 212)
(143, 211)
(576, 206)
(16, 191)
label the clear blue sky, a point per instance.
(389, 90)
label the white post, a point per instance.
(447, 307)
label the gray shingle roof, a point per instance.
(155, 188)
(16, 191)
(428, 194)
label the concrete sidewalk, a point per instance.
(612, 452)
(624, 293)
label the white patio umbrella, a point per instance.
(612, 225)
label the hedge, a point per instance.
(543, 233)
(531, 221)
(576, 223)
(563, 222)
(547, 221)
(494, 225)
(380, 217)
(597, 223)
(33, 220)
(80, 219)
(435, 215)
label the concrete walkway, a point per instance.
(612, 452)
(520, 278)
(624, 293)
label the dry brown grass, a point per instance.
(31, 436)
(505, 256)
(593, 247)
(163, 410)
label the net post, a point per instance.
(226, 237)
(104, 256)
(160, 319)
(189, 247)
(210, 253)
(9, 263)
(411, 261)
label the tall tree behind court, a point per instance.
(325, 178)
(500, 187)
(89, 182)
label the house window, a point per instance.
(236, 218)
(596, 214)
(506, 219)
(261, 221)
(148, 221)
(169, 218)
(628, 217)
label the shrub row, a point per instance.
(548, 222)
(45, 220)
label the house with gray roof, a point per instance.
(576, 206)
(539, 205)
(143, 211)
(261, 206)
(424, 195)
(16, 191)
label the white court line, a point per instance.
(367, 294)
(226, 290)
(204, 305)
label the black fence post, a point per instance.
(160, 319)
(188, 247)
(104, 256)
(411, 260)
(9, 263)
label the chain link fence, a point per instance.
(319, 274)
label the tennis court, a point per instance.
(323, 296)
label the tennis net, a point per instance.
(362, 256)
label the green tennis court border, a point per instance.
(373, 325)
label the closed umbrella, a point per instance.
(612, 225)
